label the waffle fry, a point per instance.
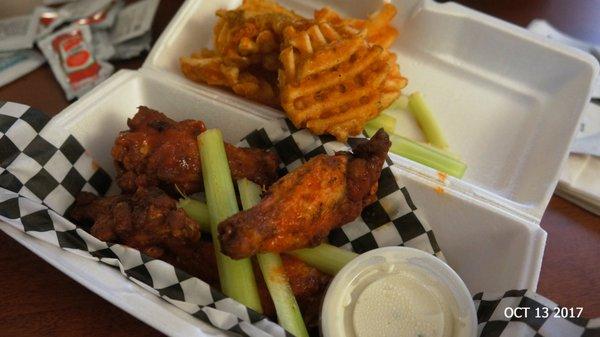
(207, 67)
(393, 84)
(251, 33)
(246, 55)
(333, 81)
(330, 74)
(378, 25)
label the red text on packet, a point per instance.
(77, 59)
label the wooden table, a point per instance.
(27, 308)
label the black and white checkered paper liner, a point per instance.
(43, 169)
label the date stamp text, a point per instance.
(543, 312)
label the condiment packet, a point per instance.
(133, 47)
(70, 54)
(134, 20)
(590, 122)
(104, 18)
(15, 64)
(17, 32)
(103, 47)
(48, 19)
(85, 8)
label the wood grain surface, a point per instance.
(570, 272)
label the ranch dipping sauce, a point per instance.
(404, 303)
(397, 292)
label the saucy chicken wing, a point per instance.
(147, 220)
(308, 285)
(157, 151)
(301, 208)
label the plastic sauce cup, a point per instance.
(397, 292)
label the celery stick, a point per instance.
(435, 158)
(387, 122)
(249, 193)
(427, 155)
(197, 210)
(236, 276)
(370, 130)
(325, 257)
(427, 121)
(288, 312)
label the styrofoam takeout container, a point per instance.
(508, 101)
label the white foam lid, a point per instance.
(508, 102)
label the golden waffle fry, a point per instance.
(378, 25)
(246, 54)
(250, 34)
(213, 70)
(333, 81)
(393, 84)
(204, 66)
(330, 74)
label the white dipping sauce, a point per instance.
(399, 305)
(397, 292)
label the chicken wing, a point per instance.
(147, 220)
(301, 208)
(308, 285)
(157, 151)
(150, 221)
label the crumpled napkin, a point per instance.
(587, 140)
(580, 179)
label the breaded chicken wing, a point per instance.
(301, 208)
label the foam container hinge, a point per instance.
(508, 102)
